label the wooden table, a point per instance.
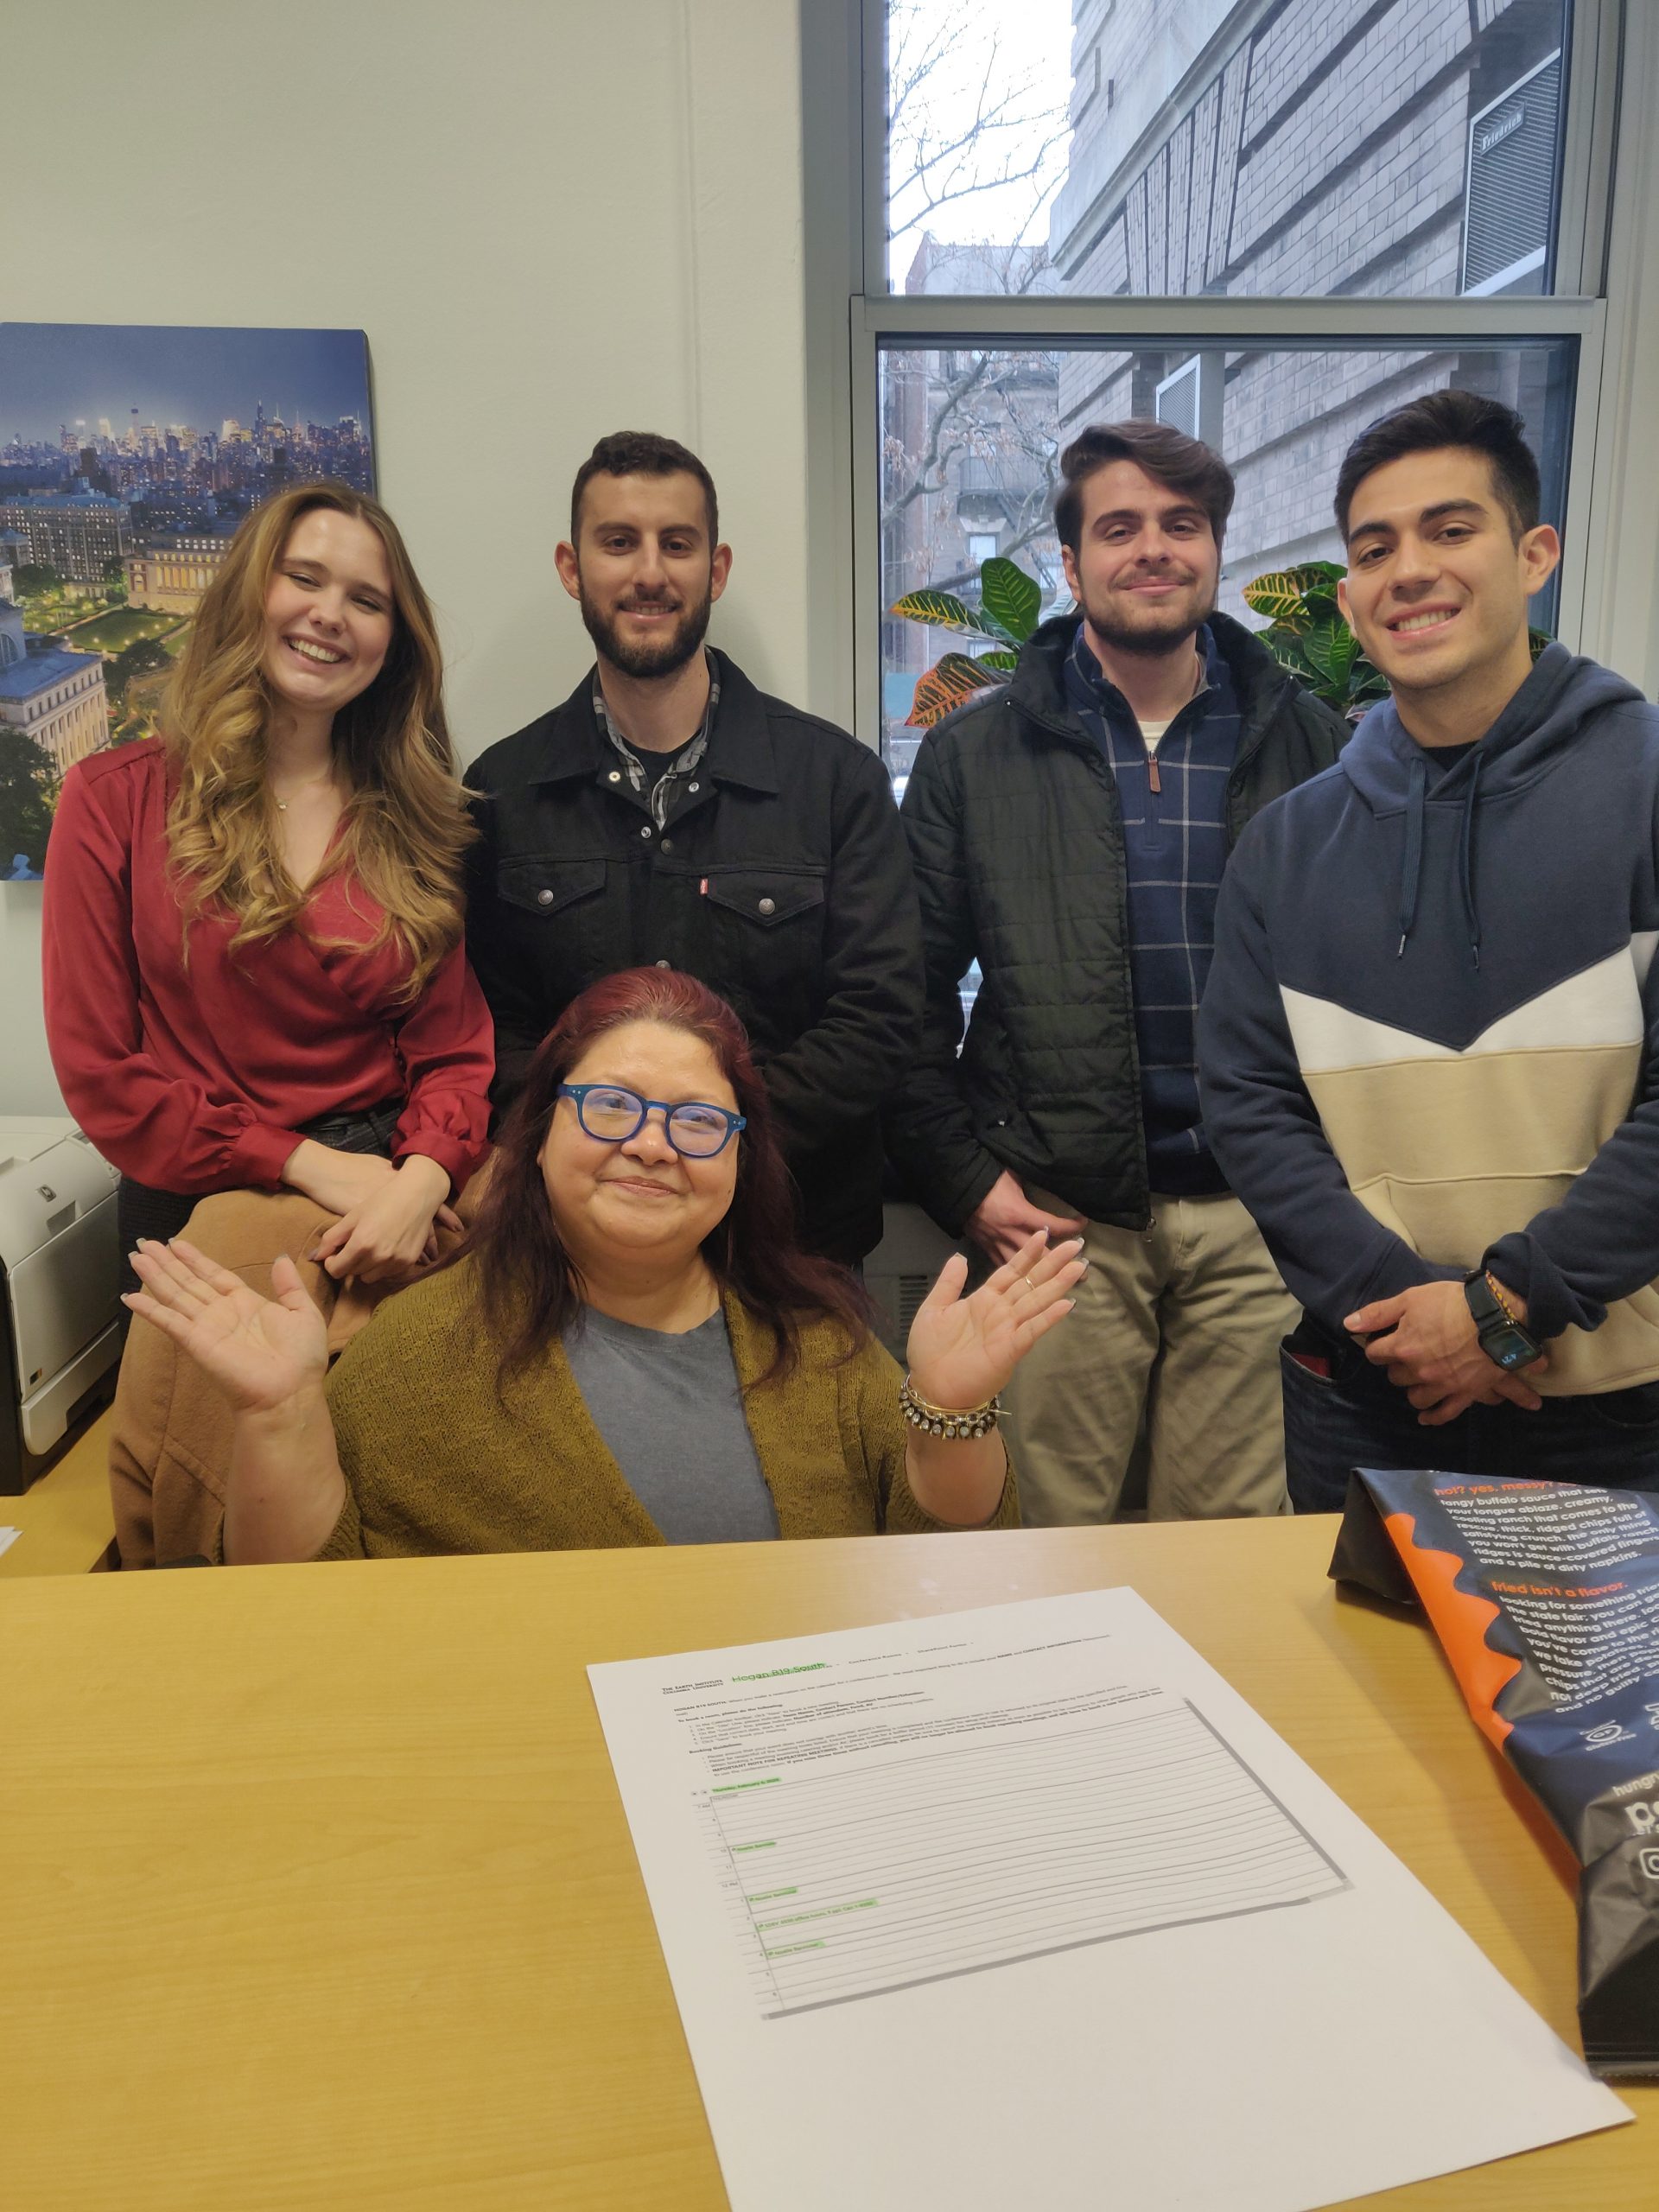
(320, 1895)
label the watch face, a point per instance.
(1507, 1347)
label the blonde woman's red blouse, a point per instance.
(198, 1077)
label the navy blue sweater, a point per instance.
(1175, 850)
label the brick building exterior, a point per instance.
(1334, 148)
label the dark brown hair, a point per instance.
(1183, 464)
(1439, 419)
(529, 1289)
(642, 453)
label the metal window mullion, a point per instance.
(865, 380)
(1580, 520)
(1588, 137)
(873, 162)
(961, 319)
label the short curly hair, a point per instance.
(642, 453)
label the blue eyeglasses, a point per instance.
(612, 1114)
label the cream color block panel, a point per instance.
(1498, 1115)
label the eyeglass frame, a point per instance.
(578, 1092)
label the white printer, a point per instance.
(60, 1258)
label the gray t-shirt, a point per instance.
(671, 1412)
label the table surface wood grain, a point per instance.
(320, 1893)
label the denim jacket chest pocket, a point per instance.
(559, 910)
(765, 931)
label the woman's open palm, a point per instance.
(261, 1351)
(962, 1350)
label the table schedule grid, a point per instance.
(928, 1864)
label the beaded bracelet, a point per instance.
(1504, 1306)
(951, 1421)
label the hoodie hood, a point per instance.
(1545, 716)
(1389, 769)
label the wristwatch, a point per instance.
(1503, 1338)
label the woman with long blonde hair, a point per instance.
(253, 968)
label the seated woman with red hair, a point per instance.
(629, 1348)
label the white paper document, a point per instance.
(1025, 1906)
(8, 1538)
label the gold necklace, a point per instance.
(310, 784)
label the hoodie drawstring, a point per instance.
(1411, 866)
(1467, 858)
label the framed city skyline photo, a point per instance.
(129, 454)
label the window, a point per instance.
(1179, 148)
(1267, 223)
(1284, 416)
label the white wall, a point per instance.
(553, 218)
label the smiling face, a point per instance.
(639, 1199)
(1438, 581)
(643, 570)
(328, 613)
(1146, 562)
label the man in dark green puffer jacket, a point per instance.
(1069, 832)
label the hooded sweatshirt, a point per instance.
(1430, 1039)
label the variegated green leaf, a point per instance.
(1286, 648)
(951, 680)
(1005, 657)
(1276, 595)
(1283, 594)
(944, 611)
(1011, 598)
(1332, 648)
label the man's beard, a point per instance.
(649, 657)
(1153, 640)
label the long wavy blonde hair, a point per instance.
(405, 825)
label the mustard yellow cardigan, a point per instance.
(433, 1464)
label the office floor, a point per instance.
(65, 1518)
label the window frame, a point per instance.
(1576, 313)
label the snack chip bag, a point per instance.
(1545, 1596)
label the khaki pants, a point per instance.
(1177, 1327)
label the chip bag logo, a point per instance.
(1649, 1862)
(1607, 1732)
(1644, 1819)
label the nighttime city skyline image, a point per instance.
(128, 457)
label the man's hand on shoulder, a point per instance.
(1005, 1218)
(1426, 1339)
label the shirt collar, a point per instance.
(659, 797)
(1088, 681)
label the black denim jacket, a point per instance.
(780, 878)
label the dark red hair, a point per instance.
(528, 1285)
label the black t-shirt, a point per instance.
(1443, 758)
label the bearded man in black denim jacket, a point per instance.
(670, 813)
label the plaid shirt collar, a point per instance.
(659, 799)
(1104, 696)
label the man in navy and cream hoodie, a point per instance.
(1429, 1046)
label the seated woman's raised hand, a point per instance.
(962, 1350)
(262, 1352)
